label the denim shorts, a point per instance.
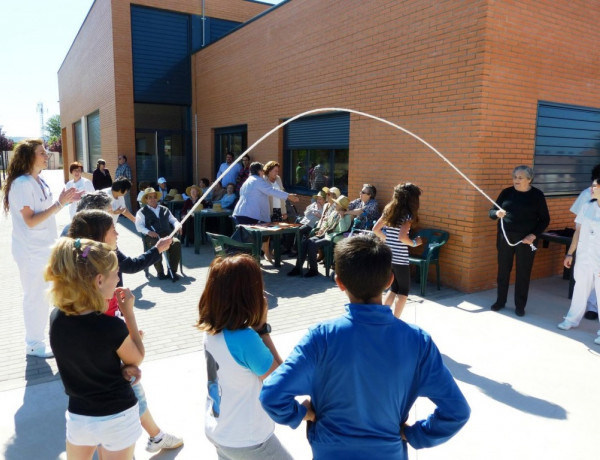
(113, 432)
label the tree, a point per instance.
(53, 127)
(6, 145)
(55, 146)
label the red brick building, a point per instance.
(490, 84)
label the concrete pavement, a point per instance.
(531, 387)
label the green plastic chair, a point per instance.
(435, 239)
(225, 246)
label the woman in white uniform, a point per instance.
(78, 182)
(586, 241)
(32, 208)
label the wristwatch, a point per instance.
(266, 329)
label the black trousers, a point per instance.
(524, 261)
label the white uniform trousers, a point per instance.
(35, 302)
(587, 279)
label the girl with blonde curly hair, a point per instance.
(91, 348)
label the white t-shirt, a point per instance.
(116, 203)
(584, 197)
(234, 416)
(276, 201)
(81, 184)
(588, 246)
(26, 191)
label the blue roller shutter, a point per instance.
(319, 132)
(567, 147)
(161, 56)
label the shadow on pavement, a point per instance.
(41, 410)
(505, 393)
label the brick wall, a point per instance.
(465, 76)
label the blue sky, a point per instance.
(35, 37)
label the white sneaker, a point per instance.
(40, 351)
(565, 325)
(597, 340)
(168, 441)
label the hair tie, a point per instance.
(85, 251)
(77, 243)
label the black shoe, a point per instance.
(295, 272)
(162, 276)
(175, 277)
(520, 311)
(497, 307)
(311, 273)
(590, 315)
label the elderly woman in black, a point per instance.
(101, 177)
(526, 216)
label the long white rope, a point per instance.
(357, 112)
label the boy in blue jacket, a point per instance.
(364, 370)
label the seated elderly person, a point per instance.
(337, 222)
(194, 193)
(227, 201)
(155, 221)
(312, 214)
(365, 208)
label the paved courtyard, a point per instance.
(532, 388)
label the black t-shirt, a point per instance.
(85, 348)
(526, 212)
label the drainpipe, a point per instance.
(203, 26)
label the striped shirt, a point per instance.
(399, 250)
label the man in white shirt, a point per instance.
(154, 221)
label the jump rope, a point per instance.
(364, 114)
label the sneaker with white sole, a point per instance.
(40, 351)
(597, 340)
(565, 325)
(168, 441)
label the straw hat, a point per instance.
(217, 207)
(188, 191)
(343, 201)
(148, 191)
(178, 197)
(321, 194)
(335, 191)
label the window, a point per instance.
(232, 139)
(567, 147)
(93, 135)
(316, 153)
(314, 169)
(78, 137)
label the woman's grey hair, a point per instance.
(95, 200)
(526, 169)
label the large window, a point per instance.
(316, 153)
(93, 135)
(567, 147)
(232, 139)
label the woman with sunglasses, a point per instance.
(365, 208)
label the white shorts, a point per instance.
(113, 432)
